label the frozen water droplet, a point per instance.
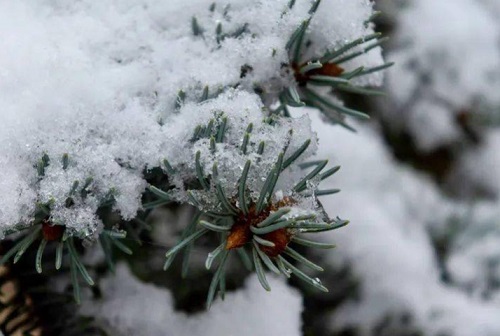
(316, 281)
(210, 258)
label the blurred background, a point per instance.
(421, 182)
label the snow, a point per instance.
(131, 307)
(103, 90)
(228, 156)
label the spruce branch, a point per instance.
(266, 224)
(55, 235)
(325, 71)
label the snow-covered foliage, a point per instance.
(446, 68)
(236, 111)
(117, 91)
(114, 108)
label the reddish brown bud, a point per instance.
(328, 69)
(51, 232)
(281, 238)
(241, 234)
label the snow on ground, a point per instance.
(131, 307)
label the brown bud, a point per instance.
(51, 232)
(281, 238)
(239, 235)
(328, 69)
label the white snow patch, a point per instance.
(134, 308)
